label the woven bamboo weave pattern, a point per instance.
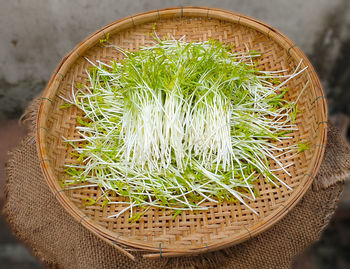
(224, 224)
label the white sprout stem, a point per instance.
(155, 144)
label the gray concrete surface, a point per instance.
(36, 34)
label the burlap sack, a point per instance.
(60, 242)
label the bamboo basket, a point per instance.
(156, 234)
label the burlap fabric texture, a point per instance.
(37, 219)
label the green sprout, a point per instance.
(105, 40)
(303, 146)
(176, 125)
(65, 105)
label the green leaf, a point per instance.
(303, 146)
(91, 201)
(137, 216)
(177, 212)
(65, 105)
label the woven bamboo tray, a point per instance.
(226, 224)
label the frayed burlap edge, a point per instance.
(27, 120)
(10, 166)
(336, 163)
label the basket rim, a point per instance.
(140, 18)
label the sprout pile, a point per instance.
(176, 124)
